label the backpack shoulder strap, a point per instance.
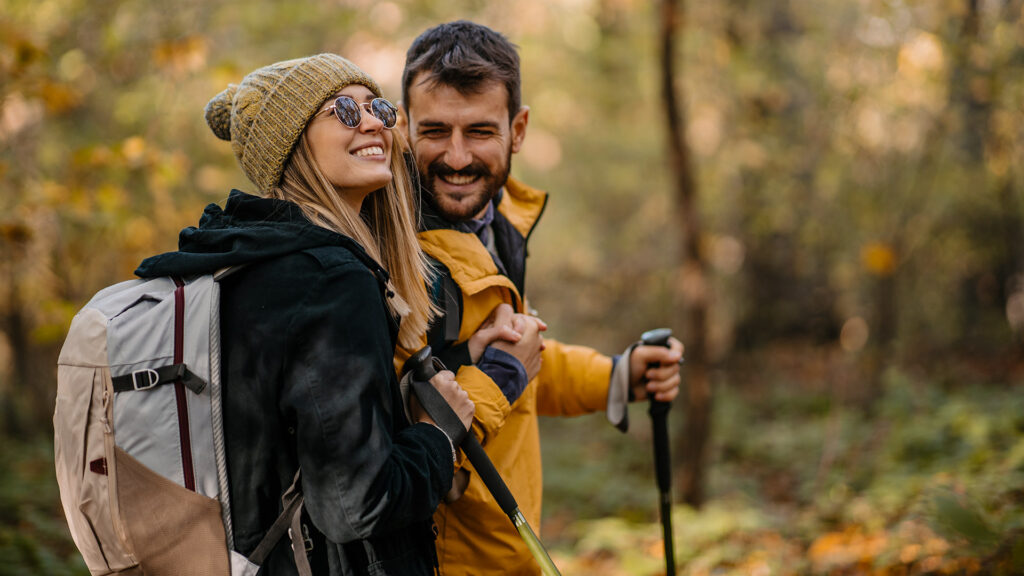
(290, 521)
(447, 296)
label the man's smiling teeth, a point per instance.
(370, 151)
(459, 179)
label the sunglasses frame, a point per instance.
(361, 106)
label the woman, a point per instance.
(326, 263)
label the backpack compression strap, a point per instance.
(147, 378)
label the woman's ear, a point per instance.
(403, 121)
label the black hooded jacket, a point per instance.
(308, 380)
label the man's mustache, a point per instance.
(440, 168)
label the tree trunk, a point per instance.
(692, 445)
(14, 326)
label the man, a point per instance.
(461, 95)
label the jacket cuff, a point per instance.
(506, 371)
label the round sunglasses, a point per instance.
(350, 113)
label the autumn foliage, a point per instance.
(859, 167)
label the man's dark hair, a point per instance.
(465, 56)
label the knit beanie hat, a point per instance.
(265, 114)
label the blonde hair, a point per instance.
(386, 229)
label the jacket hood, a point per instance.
(248, 229)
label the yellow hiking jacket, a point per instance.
(475, 536)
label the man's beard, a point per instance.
(453, 212)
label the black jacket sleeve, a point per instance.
(365, 472)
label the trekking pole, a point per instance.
(422, 366)
(662, 462)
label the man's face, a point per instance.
(463, 144)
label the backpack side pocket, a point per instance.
(83, 447)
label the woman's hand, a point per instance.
(444, 382)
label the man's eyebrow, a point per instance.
(439, 124)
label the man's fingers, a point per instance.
(667, 396)
(663, 384)
(507, 332)
(662, 372)
(676, 346)
(659, 354)
(502, 314)
(664, 390)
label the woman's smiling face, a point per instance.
(357, 160)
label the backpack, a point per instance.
(139, 437)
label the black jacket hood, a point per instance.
(248, 229)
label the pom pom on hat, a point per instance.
(265, 114)
(218, 112)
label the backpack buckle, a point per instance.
(151, 379)
(307, 541)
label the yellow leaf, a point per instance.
(181, 55)
(59, 97)
(878, 259)
(134, 150)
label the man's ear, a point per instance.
(403, 120)
(519, 122)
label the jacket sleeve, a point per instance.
(359, 479)
(573, 380)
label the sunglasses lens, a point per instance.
(347, 111)
(384, 111)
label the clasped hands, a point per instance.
(513, 333)
(653, 370)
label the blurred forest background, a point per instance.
(853, 177)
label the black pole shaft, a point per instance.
(663, 470)
(471, 448)
(662, 460)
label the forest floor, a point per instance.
(802, 479)
(806, 478)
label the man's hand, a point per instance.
(530, 344)
(663, 379)
(498, 326)
(453, 394)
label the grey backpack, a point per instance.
(139, 439)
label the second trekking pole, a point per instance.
(662, 461)
(422, 365)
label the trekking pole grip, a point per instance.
(658, 337)
(659, 415)
(422, 366)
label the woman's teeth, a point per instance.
(370, 151)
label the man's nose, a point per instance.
(457, 155)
